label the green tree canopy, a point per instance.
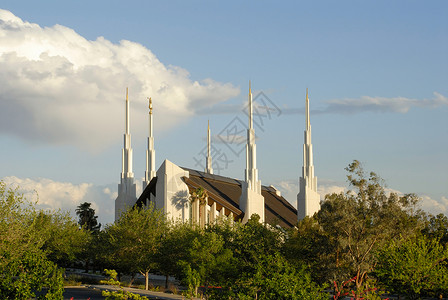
(311, 247)
(343, 236)
(195, 256)
(24, 266)
(414, 267)
(63, 240)
(133, 241)
(437, 227)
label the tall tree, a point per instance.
(351, 226)
(134, 240)
(87, 218)
(362, 220)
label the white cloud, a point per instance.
(330, 189)
(290, 188)
(373, 104)
(382, 104)
(66, 196)
(427, 203)
(433, 206)
(58, 87)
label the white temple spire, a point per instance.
(150, 172)
(126, 188)
(250, 107)
(127, 150)
(251, 148)
(127, 113)
(251, 202)
(307, 107)
(208, 163)
(308, 200)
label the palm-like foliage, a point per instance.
(87, 218)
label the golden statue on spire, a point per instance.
(150, 105)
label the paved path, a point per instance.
(148, 294)
(82, 293)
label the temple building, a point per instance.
(203, 197)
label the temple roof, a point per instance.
(226, 192)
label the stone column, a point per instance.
(195, 210)
(213, 213)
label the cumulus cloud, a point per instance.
(433, 206)
(58, 87)
(54, 195)
(373, 104)
(290, 188)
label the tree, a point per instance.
(195, 256)
(24, 266)
(275, 279)
(309, 246)
(207, 261)
(253, 240)
(175, 248)
(353, 225)
(134, 239)
(437, 227)
(414, 267)
(87, 218)
(88, 221)
(262, 272)
(64, 240)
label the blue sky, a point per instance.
(377, 74)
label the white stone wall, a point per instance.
(171, 192)
(308, 200)
(251, 202)
(126, 196)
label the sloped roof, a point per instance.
(150, 189)
(228, 190)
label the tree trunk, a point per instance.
(358, 283)
(147, 280)
(87, 266)
(166, 281)
(132, 280)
